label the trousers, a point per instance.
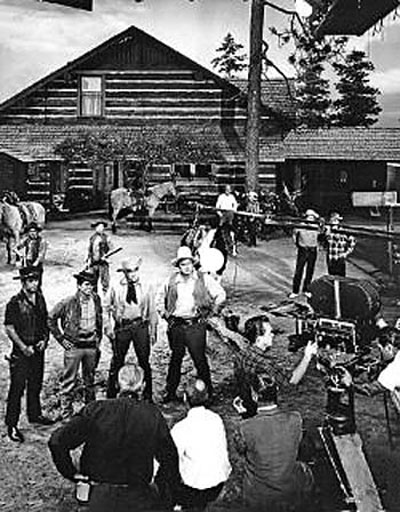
(102, 272)
(138, 334)
(306, 258)
(192, 336)
(336, 267)
(109, 498)
(25, 372)
(74, 358)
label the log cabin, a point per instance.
(131, 83)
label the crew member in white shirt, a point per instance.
(185, 301)
(201, 442)
(226, 207)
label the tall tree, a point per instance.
(230, 60)
(357, 104)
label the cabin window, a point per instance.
(192, 171)
(91, 96)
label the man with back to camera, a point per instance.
(185, 301)
(121, 437)
(269, 443)
(77, 324)
(26, 326)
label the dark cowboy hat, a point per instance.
(97, 222)
(85, 275)
(32, 225)
(27, 272)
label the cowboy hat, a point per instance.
(130, 265)
(97, 222)
(86, 275)
(335, 216)
(32, 225)
(27, 272)
(311, 213)
(184, 253)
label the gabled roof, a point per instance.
(381, 144)
(120, 38)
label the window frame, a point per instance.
(82, 94)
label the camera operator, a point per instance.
(257, 359)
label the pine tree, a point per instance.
(230, 60)
(357, 104)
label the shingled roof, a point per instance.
(37, 142)
(343, 144)
(276, 94)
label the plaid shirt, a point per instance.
(339, 245)
(255, 361)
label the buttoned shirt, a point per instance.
(200, 439)
(255, 361)
(306, 237)
(339, 245)
(227, 202)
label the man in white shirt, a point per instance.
(227, 206)
(130, 317)
(201, 442)
(185, 301)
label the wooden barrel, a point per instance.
(359, 298)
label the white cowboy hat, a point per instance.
(211, 260)
(184, 253)
(311, 213)
(129, 266)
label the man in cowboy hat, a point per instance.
(26, 326)
(185, 301)
(121, 438)
(253, 206)
(226, 206)
(99, 245)
(306, 240)
(77, 324)
(338, 246)
(130, 317)
(32, 248)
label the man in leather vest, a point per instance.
(185, 301)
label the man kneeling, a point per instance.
(273, 477)
(121, 439)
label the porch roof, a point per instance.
(343, 144)
(36, 142)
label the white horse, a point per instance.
(125, 199)
(13, 220)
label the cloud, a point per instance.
(388, 82)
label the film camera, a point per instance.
(342, 321)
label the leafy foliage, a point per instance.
(146, 146)
(230, 59)
(357, 104)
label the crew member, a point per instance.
(121, 438)
(131, 317)
(185, 302)
(77, 324)
(306, 240)
(256, 359)
(202, 447)
(269, 443)
(26, 326)
(99, 245)
(32, 249)
(227, 206)
(338, 246)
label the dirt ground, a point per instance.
(257, 277)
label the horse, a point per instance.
(123, 199)
(13, 220)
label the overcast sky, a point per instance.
(37, 38)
